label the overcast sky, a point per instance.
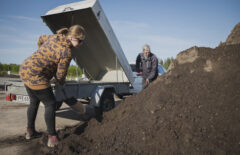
(168, 26)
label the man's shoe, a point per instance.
(52, 141)
(31, 133)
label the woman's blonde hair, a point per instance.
(76, 31)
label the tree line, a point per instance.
(73, 71)
(166, 62)
(13, 68)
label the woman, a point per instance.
(50, 60)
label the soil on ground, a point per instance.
(192, 109)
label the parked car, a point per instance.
(137, 85)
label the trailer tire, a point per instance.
(107, 101)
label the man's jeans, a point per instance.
(48, 99)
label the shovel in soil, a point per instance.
(86, 111)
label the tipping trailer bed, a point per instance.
(101, 55)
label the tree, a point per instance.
(166, 62)
(14, 68)
(161, 62)
(1, 67)
(74, 71)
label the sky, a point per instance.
(168, 26)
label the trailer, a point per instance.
(101, 57)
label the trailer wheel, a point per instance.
(107, 101)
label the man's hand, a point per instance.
(147, 82)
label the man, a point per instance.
(147, 65)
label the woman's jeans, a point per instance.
(48, 99)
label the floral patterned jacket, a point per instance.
(52, 59)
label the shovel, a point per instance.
(79, 107)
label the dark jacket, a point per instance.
(50, 60)
(148, 67)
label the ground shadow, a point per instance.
(69, 114)
(80, 129)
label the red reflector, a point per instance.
(13, 97)
(8, 97)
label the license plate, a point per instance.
(22, 98)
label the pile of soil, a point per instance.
(234, 37)
(192, 109)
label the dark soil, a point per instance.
(234, 37)
(192, 109)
